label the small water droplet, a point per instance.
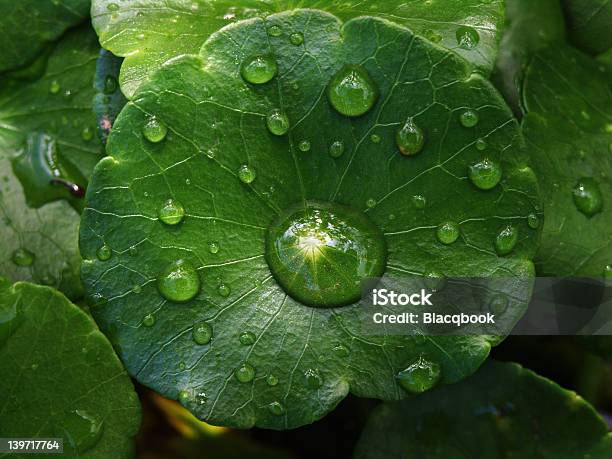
(104, 253)
(469, 118)
(375, 138)
(410, 139)
(246, 174)
(313, 380)
(112, 7)
(202, 333)
(448, 232)
(420, 376)
(245, 373)
(485, 174)
(533, 221)
(201, 398)
(304, 146)
(276, 408)
(137, 289)
(341, 350)
(435, 281)
(154, 130)
(608, 271)
(467, 37)
(259, 69)
(587, 197)
(83, 430)
(498, 304)
(419, 201)
(247, 338)
(224, 290)
(336, 149)
(184, 397)
(506, 240)
(179, 282)
(432, 36)
(55, 87)
(278, 123)
(352, 91)
(296, 38)
(213, 247)
(275, 31)
(23, 257)
(87, 134)
(370, 203)
(271, 380)
(148, 320)
(171, 212)
(481, 144)
(182, 366)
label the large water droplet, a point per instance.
(588, 197)
(420, 376)
(469, 118)
(23, 257)
(410, 139)
(467, 37)
(506, 240)
(448, 232)
(259, 69)
(276, 408)
(336, 149)
(352, 92)
(202, 333)
(245, 373)
(246, 174)
(485, 174)
(104, 253)
(179, 282)
(154, 130)
(278, 123)
(83, 430)
(275, 31)
(247, 338)
(171, 212)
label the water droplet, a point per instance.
(87, 134)
(481, 144)
(419, 201)
(485, 174)
(148, 320)
(467, 37)
(182, 366)
(304, 146)
(224, 290)
(313, 380)
(278, 123)
(296, 38)
(154, 130)
(275, 31)
(259, 69)
(171, 212)
(184, 397)
(420, 376)
(276, 408)
(448, 232)
(469, 118)
(533, 221)
(435, 281)
(588, 197)
(104, 253)
(336, 149)
(110, 84)
(410, 139)
(179, 282)
(311, 241)
(23, 257)
(432, 36)
(201, 398)
(498, 304)
(245, 373)
(246, 174)
(55, 87)
(375, 138)
(112, 7)
(506, 240)
(247, 338)
(370, 203)
(340, 350)
(608, 271)
(352, 91)
(202, 333)
(137, 289)
(83, 430)
(213, 247)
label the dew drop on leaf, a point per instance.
(213, 247)
(278, 123)
(104, 253)
(55, 87)
(276, 408)
(112, 7)
(224, 290)
(375, 138)
(370, 203)
(202, 333)
(201, 398)
(23, 257)
(588, 197)
(419, 201)
(469, 118)
(245, 373)
(83, 430)
(259, 69)
(341, 350)
(352, 92)
(179, 282)
(336, 149)
(467, 37)
(154, 130)
(506, 240)
(171, 212)
(485, 174)
(246, 174)
(184, 397)
(410, 139)
(447, 233)
(304, 146)
(608, 271)
(481, 144)
(296, 38)
(271, 380)
(247, 338)
(533, 221)
(435, 281)
(87, 134)
(420, 376)
(498, 304)
(275, 31)
(148, 320)
(313, 380)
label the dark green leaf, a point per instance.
(61, 377)
(27, 26)
(569, 128)
(109, 100)
(502, 411)
(149, 33)
(589, 24)
(195, 179)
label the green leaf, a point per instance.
(531, 26)
(196, 181)
(589, 24)
(61, 377)
(502, 411)
(108, 100)
(148, 34)
(569, 129)
(47, 149)
(26, 26)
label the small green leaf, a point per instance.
(131, 28)
(61, 377)
(502, 411)
(589, 24)
(280, 232)
(26, 26)
(569, 129)
(47, 150)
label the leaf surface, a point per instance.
(151, 32)
(61, 377)
(502, 411)
(303, 360)
(589, 24)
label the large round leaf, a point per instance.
(502, 411)
(151, 32)
(569, 127)
(233, 178)
(47, 150)
(61, 377)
